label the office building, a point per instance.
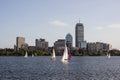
(24, 46)
(83, 44)
(41, 43)
(19, 42)
(59, 44)
(79, 34)
(98, 47)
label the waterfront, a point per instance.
(42, 68)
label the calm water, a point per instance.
(42, 68)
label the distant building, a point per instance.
(31, 48)
(59, 44)
(91, 47)
(83, 44)
(15, 47)
(69, 40)
(103, 46)
(98, 47)
(110, 47)
(24, 46)
(79, 34)
(41, 43)
(19, 42)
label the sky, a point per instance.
(54, 19)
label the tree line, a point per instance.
(80, 52)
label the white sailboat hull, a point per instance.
(64, 61)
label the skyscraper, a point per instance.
(19, 42)
(79, 34)
(69, 40)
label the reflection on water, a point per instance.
(42, 68)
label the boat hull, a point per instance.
(53, 58)
(64, 61)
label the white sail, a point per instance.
(109, 56)
(26, 55)
(53, 55)
(32, 55)
(65, 55)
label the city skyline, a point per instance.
(52, 20)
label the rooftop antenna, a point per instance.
(79, 20)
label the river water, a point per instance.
(42, 68)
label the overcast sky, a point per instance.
(53, 19)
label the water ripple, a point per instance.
(42, 68)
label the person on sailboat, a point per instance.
(69, 56)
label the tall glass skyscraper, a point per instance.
(69, 40)
(79, 34)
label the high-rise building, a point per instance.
(79, 34)
(41, 43)
(19, 42)
(69, 40)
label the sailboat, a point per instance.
(108, 55)
(26, 55)
(32, 55)
(53, 57)
(65, 55)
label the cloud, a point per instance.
(58, 23)
(99, 28)
(112, 26)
